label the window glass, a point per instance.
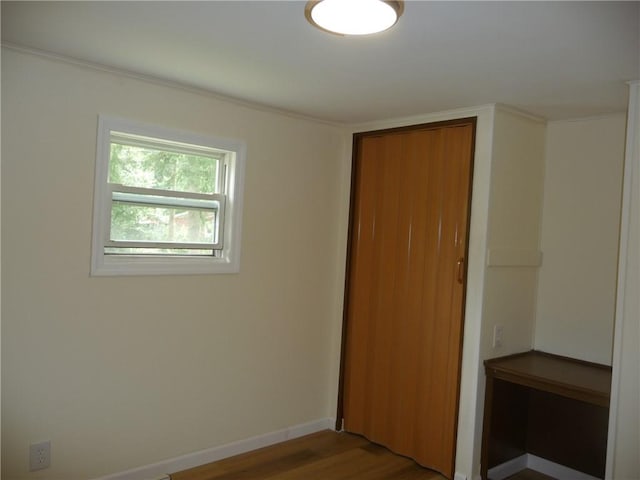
(138, 166)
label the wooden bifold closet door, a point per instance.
(405, 289)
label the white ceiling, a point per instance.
(552, 59)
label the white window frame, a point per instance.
(227, 245)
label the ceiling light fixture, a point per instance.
(353, 17)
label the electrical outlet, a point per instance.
(497, 336)
(39, 456)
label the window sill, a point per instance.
(132, 265)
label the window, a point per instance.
(166, 202)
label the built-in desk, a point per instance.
(549, 406)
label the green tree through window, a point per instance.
(145, 167)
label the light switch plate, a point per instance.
(497, 336)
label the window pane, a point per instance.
(136, 166)
(131, 222)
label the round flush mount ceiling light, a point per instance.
(353, 17)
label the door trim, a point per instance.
(348, 264)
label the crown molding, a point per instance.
(143, 77)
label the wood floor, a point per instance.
(326, 455)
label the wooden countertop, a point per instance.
(584, 381)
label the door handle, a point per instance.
(461, 270)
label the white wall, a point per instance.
(122, 372)
(512, 249)
(0, 292)
(148, 368)
(517, 176)
(624, 424)
(250, 353)
(580, 229)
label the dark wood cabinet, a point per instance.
(554, 407)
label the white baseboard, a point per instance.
(506, 469)
(159, 471)
(556, 470)
(542, 465)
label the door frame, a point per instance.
(348, 263)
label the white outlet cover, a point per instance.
(39, 456)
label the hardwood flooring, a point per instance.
(326, 455)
